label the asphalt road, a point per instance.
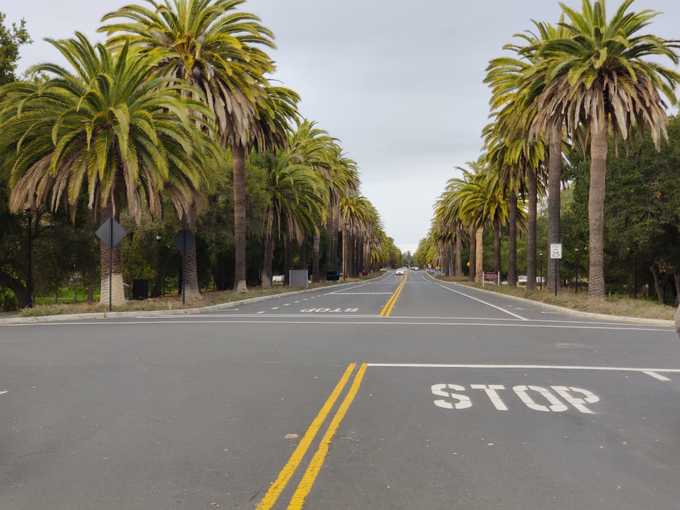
(457, 400)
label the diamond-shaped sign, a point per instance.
(111, 233)
(184, 238)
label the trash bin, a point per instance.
(140, 290)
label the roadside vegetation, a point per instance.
(583, 150)
(616, 305)
(62, 305)
(173, 123)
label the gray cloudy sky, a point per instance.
(399, 82)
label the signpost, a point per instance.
(111, 233)
(556, 255)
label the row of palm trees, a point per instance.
(179, 90)
(587, 82)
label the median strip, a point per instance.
(392, 301)
(297, 456)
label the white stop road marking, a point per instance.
(537, 398)
(329, 310)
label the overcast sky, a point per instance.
(399, 82)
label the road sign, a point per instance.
(184, 240)
(556, 251)
(111, 233)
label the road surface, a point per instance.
(392, 394)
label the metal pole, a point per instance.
(111, 264)
(29, 278)
(556, 268)
(184, 273)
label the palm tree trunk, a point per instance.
(473, 255)
(268, 252)
(596, 196)
(512, 240)
(657, 283)
(190, 266)
(531, 229)
(286, 259)
(450, 254)
(459, 254)
(497, 248)
(554, 202)
(479, 257)
(111, 263)
(240, 226)
(345, 254)
(332, 227)
(316, 258)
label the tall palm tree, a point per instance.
(314, 147)
(355, 215)
(296, 201)
(105, 131)
(221, 51)
(343, 182)
(515, 85)
(600, 75)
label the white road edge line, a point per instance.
(648, 371)
(656, 376)
(482, 301)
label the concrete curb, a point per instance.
(178, 312)
(566, 311)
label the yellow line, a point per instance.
(392, 301)
(296, 457)
(307, 482)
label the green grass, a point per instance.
(623, 306)
(45, 307)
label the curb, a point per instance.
(177, 312)
(566, 311)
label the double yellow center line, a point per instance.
(307, 482)
(391, 303)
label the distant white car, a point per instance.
(415, 268)
(400, 272)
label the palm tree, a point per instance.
(342, 182)
(600, 75)
(105, 131)
(220, 50)
(480, 203)
(296, 203)
(355, 214)
(516, 86)
(314, 147)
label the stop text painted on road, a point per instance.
(329, 310)
(536, 398)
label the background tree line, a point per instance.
(172, 124)
(580, 124)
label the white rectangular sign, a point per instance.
(556, 251)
